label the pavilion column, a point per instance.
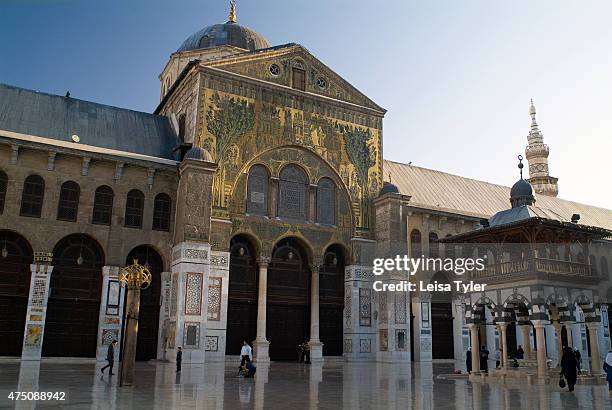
(526, 340)
(316, 347)
(504, 345)
(475, 348)
(261, 344)
(595, 359)
(541, 348)
(557, 326)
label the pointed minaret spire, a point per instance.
(231, 18)
(536, 154)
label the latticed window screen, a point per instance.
(133, 209)
(103, 205)
(161, 212)
(3, 187)
(257, 191)
(32, 196)
(68, 206)
(292, 193)
(326, 202)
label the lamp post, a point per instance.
(135, 277)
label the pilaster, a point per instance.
(359, 320)
(37, 306)
(110, 319)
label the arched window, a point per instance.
(434, 246)
(32, 196)
(3, 188)
(604, 267)
(68, 206)
(181, 123)
(103, 205)
(133, 209)
(257, 191)
(161, 212)
(293, 193)
(415, 243)
(326, 202)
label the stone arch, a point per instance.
(478, 310)
(346, 250)
(308, 247)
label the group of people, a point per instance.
(246, 369)
(484, 358)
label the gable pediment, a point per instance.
(276, 65)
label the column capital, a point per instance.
(472, 326)
(539, 323)
(502, 325)
(263, 261)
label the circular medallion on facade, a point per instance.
(75, 138)
(322, 83)
(274, 69)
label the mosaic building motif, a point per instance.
(365, 307)
(211, 343)
(193, 294)
(108, 335)
(33, 335)
(214, 299)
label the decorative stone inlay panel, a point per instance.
(382, 303)
(191, 335)
(33, 335)
(108, 335)
(214, 298)
(365, 346)
(193, 294)
(167, 297)
(196, 254)
(211, 344)
(347, 307)
(365, 307)
(176, 254)
(401, 339)
(358, 273)
(348, 346)
(38, 293)
(220, 261)
(174, 291)
(425, 344)
(400, 307)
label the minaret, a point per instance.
(537, 157)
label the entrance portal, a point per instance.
(331, 301)
(288, 308)
(242, 297)
(148, 317)
(442, 322)
(15, 259)
(71, 327)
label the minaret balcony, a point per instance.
(536, 150)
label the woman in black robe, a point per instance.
(468, 361)
(569, 367)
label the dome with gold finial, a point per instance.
(229, 33)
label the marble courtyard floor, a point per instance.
(292, 386)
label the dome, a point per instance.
(521, 194)
(388, 188)
(199, 154)
(229, 33)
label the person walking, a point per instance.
(578, 359)
(607, 366)
(484, 359)
(569, 367)
(468, 361)
(179, 359)
(497, 358)
(110, 357)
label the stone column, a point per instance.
(594, 342)
(316, 347)
(475, 348)
(541, 348)
(37, 306)
(557, 326)
(526, 340)
(261, 344)
(110, 318)
(570, 336)
(504, 345)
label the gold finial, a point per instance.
(231, 18)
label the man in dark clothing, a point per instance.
(250, 369)
(569, 367)
(179, 359)
(468, 361)
(110, 357)
(520, 353)
(484, 359)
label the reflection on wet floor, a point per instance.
(333, 385)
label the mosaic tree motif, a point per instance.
(228, 119)
(360, 151)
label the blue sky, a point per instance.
(455, 76)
